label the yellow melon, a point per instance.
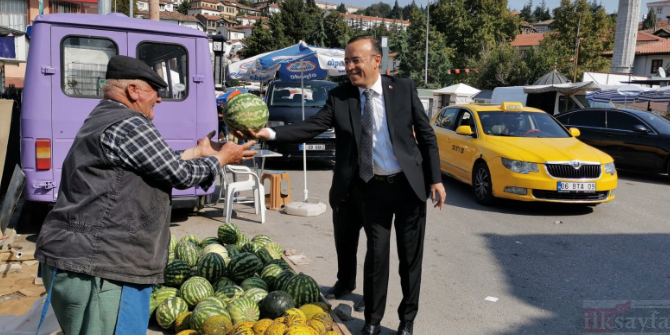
(261, 325)
(318, 326)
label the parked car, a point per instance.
(637, 140)
(551, 102)
(285, 107)
(521, 153)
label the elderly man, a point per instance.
(105, 242)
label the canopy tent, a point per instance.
(459, 93)
(565, 89)
(552, 78)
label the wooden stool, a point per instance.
(275, 200)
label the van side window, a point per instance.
(85, 65)
(167, 59)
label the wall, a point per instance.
(642, 64)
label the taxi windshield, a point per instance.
(521, 124)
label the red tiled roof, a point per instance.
(252, 17)
(176, 16)
(274, 5)
(211, 17)
(653, 48)
(643, 36)
(243, 7)
(229, 20)
(208, 8)
(208, 1)
(527, 40)
(243, 26)
(371, 18)
(516, 12)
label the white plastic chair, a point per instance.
(253, 183)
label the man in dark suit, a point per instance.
(387, 162)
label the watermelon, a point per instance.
(245, 111)
(243, 309)
(202, 312)
(211, 266)
(275, 304)
(164, 293)
(233, 250)
(217, 325)
(217, 249)
(251, 247)
(283, 279)
(187, 251)
(281, 263)
(224, 281)
(242, 240)
(256, 294)
(195, 289)
(261, 239)
(254, 281)
(227, 233)
(244, 266)
(263, 254)
(173, 243)
(208, 240)
(170, 256)
(153, 304)
(168, 311)
(194, 271)
(176, 272)
(270, 273)
(191, 238)
(214, 300)
(275, 250)
(303, 289)
(229, 293)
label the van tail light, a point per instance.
(43, 154)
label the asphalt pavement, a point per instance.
(514, 268)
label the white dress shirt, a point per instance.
(384, 160)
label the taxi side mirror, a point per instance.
(575, 132)
(464, 130)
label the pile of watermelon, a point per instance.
(230, 284)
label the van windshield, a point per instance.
(288, 94)
(521, 124)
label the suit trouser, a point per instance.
(347, 224)
(381, 201)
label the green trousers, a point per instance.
(83, 304)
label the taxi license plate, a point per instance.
(564, 186)
(313, 147)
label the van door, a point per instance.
(174, 59)
(79, 60)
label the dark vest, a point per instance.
(107, 222)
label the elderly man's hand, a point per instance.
(206, 147)
(232, 153)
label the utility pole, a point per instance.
(154, 6)
(131, 3)
(574, 78)
(104, 7)
(427, 30)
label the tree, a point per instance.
(408, 9)
(342, 8)
(298, 23)
(318, 36)
(278, 32)
(396, 12)
(261, 40)
(595, 6)
(527, 12)
(378, 10)
(245, 3)
(184, 6)
(541, 12)
(337, 30)
(123, 6)
(650, 20)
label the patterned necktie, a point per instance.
(365, 167)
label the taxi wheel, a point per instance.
(481, 185)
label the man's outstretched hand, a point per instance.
(206, 147)
(262, 134)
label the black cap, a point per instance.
(123, 67)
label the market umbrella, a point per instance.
(658, 95)
(295, 63)
(620, 94)
(223, 98)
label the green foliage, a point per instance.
(261, 40)
(379, 10)
(184, 6)
(527, 12)
(408, 9)
(298, 23)
(318, 36)
(650, 21)
(396, 12)
(337, 31)
(541, 12)
(342, 8)
(245, 3)
(123, 6)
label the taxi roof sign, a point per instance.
(511, 106)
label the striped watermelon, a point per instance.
(223, 281)
(195, 289)
(176, 272)
(214, 300)
(202, 312)
(164, 293)
(245, 111)
(168, 311)
(254, 281)
(194, 271)
(217, 249)
(242, 240)
(191, 238)
(275, 250)
(229, 293)
(170, 256)
(261, 239)
(211, 266)
(264, 255)
(251, 247)
(233, 250)
(173, 243)
(281, 263)
(227, 233)
(209, 240)
(217, 325)
(303, 289)
(283, 279)
(256, 294)
(270, 273)
(188, 252)
(244, 266)
(153, 304)
(244, 309)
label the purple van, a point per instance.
(66, 68)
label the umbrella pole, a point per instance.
(304, 145)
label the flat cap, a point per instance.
(124, 67)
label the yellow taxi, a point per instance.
(521, 153)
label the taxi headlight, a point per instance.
(609, 168)
(519, 166)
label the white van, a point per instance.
(551, 102)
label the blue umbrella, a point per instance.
(658, 95)
(619, 94)
(222, 99)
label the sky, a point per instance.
(611, 6)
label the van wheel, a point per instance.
(482, 187)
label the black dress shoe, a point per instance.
(337, 291)
(369, 329)
(406, 328)
(360, 306)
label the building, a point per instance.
(363, 22)
(205, 7)
(13, 56)
(353, 9)
(326, 5)
(650, 54)
(273, 9)
(662, 8)
(175, 18)
(527, 41)
(228, 9)
(164, 6)
(210, 22)
(250, 19)
(248, 10)
(230, 33)
(543, 26)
